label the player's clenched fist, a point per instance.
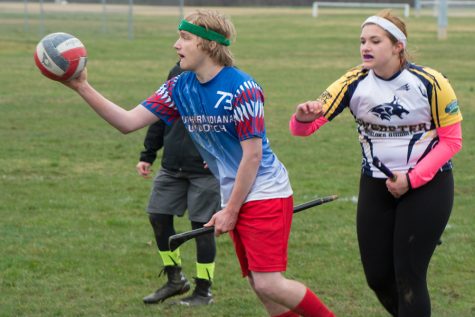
(309, 111)
(144, 169)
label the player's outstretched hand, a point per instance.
(76, 83)
(309, 111)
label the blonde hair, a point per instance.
(401, 25)
(212, 20)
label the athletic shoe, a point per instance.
(177, 284)
(201, 294)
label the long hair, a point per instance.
(212, 20)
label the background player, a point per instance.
(182, 183)
(408, 116)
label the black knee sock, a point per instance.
(205, 245)
(162, 228)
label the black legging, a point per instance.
(397, 238)
(163, 228)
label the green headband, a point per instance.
(203, 32)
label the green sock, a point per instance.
(170, 258)
(205, 271)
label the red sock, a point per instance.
(311, 306)
(288, 314)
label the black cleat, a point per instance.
(201, 294)
(177, 284)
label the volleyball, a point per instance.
(60, 56)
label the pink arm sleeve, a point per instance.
(305, 128)
(450, 142)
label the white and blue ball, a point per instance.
(60, 56)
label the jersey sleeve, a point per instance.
(444, 105)
(298, 128)
(161, 102)
(450, 142)
(248, 111)
(337, 96)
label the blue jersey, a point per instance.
(219, 114)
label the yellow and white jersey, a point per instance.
(396, 118)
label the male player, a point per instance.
(223, 110)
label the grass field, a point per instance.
(75, 240)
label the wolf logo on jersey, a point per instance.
(386, 110)
(402, 130)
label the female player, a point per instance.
(408, 116)
(222, 109)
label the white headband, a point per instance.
(388, 26)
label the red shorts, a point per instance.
(261, 235)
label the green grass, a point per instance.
(75, 240)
